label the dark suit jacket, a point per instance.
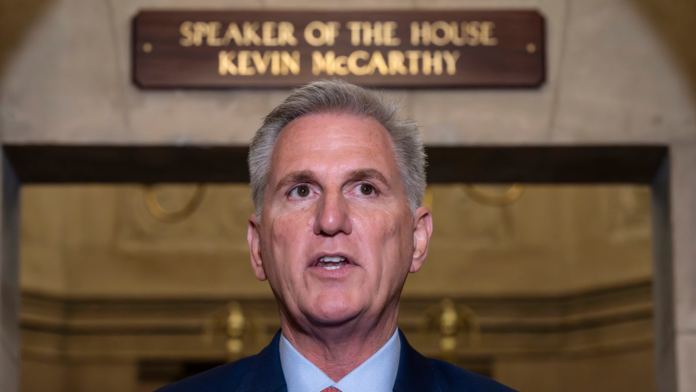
(263, 372)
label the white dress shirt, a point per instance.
(377, 374)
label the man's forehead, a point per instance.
(333, 140)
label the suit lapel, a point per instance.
(265, 373)
(415, 372)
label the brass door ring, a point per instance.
(169, 216)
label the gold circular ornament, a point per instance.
(496, 200)
(173, 216)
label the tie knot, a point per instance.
(331, 389)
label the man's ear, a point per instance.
(254, 241)
(423, 229)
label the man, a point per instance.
(337, 178)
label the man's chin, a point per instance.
(334, 314)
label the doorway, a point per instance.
(575, 317)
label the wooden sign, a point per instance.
(226, 49)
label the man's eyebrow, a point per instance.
(367, 174)
(295, 177)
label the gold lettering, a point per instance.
(437, 62)
(396, 63)
(233, 33)
(354, 28)
(432, 64)
(272, 34)
(458, 36)
(329, 63)
(451, 61)
(226, 64)
(353, 66)
(358, 63)
(275, 63)
(200, 29)
(261, 63)
(322, 63)
(309, 33)
(286, 34)
(252, 62)
(487, 34)
(327, 33)
(250, 36)
(333, 32)
(244, 63)
(474, 31)
(366, 34)
(213, 31)
(418, 32)
(427, 62)
(377, 61)
(268, 30)
(426, 33)
(290, 62)
(413, 56)
(186, 29)
(444, 27)
(370, 33)
(340, 66)
(415, 33)
(377, 33)
(389, 31)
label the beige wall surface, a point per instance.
(617, 372)
(618, 71)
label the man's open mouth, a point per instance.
(331, 262)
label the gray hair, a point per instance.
(336, 96)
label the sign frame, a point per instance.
(184, 48)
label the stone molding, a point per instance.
(584, 323)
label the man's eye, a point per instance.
(300, 191)
(367, 189)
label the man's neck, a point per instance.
(337, 351)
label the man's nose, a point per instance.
(332, 215)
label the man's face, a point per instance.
(336, 238)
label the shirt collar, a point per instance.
(377, 374)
